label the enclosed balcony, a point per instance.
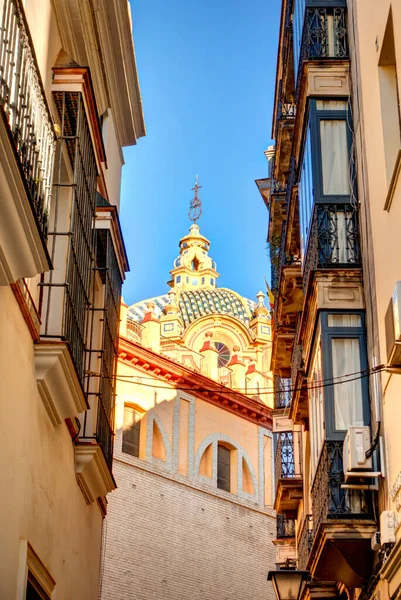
(288, 472)
(333, 240)
(320, 33)
(285, 540)
(27, 146)
(343, 524)
(282, 392)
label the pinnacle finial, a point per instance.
(195, 207)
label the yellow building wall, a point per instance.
(40, 499)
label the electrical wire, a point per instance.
(322, 383)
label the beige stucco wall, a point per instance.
(40, 499)
(380, 230)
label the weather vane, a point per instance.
(195, 208)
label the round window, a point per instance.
(224, 353)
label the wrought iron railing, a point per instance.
(333, 239)
(285, 527)
(297, 363)
(324, 36)
(24, 106)
(304, 545)
(180, 353)
(329, 499)
(282, 392)
(67, 289)
(109, 271)
(277, 188)
(287, 459)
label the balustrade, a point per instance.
(333, 239)
(24, 105)
(329, 500)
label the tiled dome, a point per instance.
(194, 304)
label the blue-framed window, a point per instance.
(178, 279)
(338, 381)
(326, 167)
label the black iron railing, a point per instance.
(333, 239)
(329, 500)
(282, 392)
(324, 36)
(67, 289)
(297, 362)
(304, 543)
(287, 465)
(285, 527)
(277, 188)
(24, 106)
(109, 271)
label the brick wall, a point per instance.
(169, 540)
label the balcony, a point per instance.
(343, 524)
(333, 240)
(282, 392)
(324, 37)
(285, 527)
(304, 542)
(299, 399)
(285, 540)
(288, 473)
(27, 146)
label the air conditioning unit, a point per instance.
(387, 527)
(392, 322)
(356, 443)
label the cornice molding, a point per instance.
(57, 381)
(93, 474)
(196, 384)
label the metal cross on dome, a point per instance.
(195, 207)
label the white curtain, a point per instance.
(335, 167)
(331, 104)
(349, 320)
(348, 406)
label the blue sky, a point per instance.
(206, 71)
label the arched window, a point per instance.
(131, 431)
(223, 467)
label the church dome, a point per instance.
(194, 304)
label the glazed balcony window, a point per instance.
(339, 359)
(326, 194)
(320, 31)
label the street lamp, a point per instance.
(288, 583)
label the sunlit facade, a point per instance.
(192, 516)
(70, 102)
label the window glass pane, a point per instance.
(344, 321)
(316, 408)
(348, 407)
(223, 468)
(335, 167)
(331, 104)
(305, 194)
(131, 431)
